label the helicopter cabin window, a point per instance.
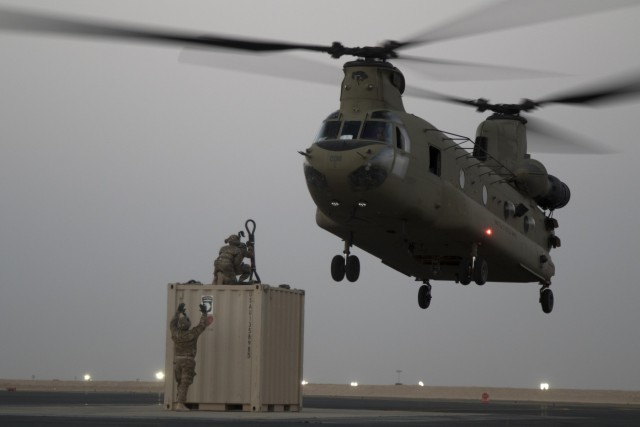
(434, 160)
(350, 130)
(377, 131)
(529, 224)
(329, 130)
(509, 210)
(480, 148)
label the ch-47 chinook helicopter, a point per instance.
(429, 204)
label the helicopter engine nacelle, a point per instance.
(531, 178)
(557, 197)
(549, 192)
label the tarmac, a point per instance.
(617, 397)
(116, 403)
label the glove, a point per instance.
(203, 309)
(181, 308)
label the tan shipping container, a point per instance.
(250, 358)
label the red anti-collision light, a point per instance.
(488, 232)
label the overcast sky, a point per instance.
(123, 169)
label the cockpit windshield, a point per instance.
(380, 127)
(377, 131)
(350, 130)
(329, 130)
(380, 131)
(333, 129)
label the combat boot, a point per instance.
(180, 407)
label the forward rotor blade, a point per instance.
(512, 14)
(544, 137)
(469, 71)
(38, 22)
(284, 65)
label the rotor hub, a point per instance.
(382, 53)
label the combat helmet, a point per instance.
(233, 240)
(184, 323)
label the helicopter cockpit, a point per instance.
(379, 126)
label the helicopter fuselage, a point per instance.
(393, 185)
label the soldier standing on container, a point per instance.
(185, 342)
(229, 262)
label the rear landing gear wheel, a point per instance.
(352, 268)
(424, 296)
(338, 268)
(464, 271)
(480, 271)
(546, 299)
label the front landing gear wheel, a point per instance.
(352, 268)
(338, 268)
(424, 296)
(546, 299)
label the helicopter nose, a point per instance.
(367, 177)
(315, 178)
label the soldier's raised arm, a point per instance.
(174, 322)
(249, 249)
(200, 327)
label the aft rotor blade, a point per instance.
(544, 137)
(512, 14)
(606, 91)
(436, 96)
(39, 22)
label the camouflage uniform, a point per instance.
(229, 262)
(185, 342)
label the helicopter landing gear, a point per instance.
(341, 267)
(473, 269)
(338, 268)
(347, 265)
(546, 299)
(480, 271)
(424, 295)
(464, 271)
(352, 268)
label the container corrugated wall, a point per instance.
(250, 359)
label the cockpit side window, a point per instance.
(377, 131)
(329, 130)
(402, 139)
(350, 130)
